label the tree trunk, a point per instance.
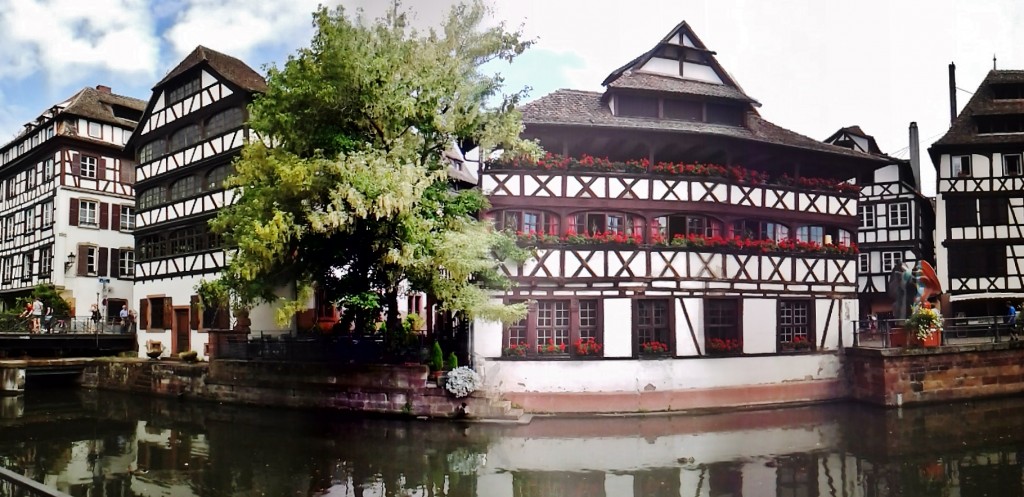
(393, 321)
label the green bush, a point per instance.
(452, 362)
(436, 358)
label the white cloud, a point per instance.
(58, 37)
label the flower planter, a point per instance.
(655, 355)
(903, 337)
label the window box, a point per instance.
(654, 350)
(720, 346)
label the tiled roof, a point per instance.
(233, 69)
(639, 80)
(585, 108)
(98, 105)
(964, 130)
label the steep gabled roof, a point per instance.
(964, 130)
(232, 69)
(632, 75)
(104, 106)
(586, 108)
(855, 131)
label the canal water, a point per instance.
(102, 444)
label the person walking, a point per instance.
(48, 320)
(95, 317)
(1011, 321)
(37, 314)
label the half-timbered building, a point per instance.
(687, 252)
(979, 205)
(896, 221)
(191, 130)
(67, 203)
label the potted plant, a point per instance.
(725, 346)
(653, 348)
(436, 363)
(189, 356)
(462, 381)
(924, 324)
(588, 347)
(551, 348)
(515, 350)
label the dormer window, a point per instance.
(1008, 91)
(637, 106)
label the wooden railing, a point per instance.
(15, 485)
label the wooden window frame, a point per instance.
(125, 263)
(126, 217)
(528, 326)
(87, 162)
(668, 327)
(866, 216)
(899, 214)
(1017, 169)
(959, 170)
(710, 325)
(891, 259)
(83, 217)
(791, 329)
(864, 263)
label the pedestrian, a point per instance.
(1011, 320)
(37, 314)
(95, 317)
(48, 320)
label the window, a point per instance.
(27, 265)
(126, 263)
(553, 325)
(30, 179)
(636, 106)
(994, 211)
(588, 321)
(988, 260)
(602, 222)
(651, 324)
(47, 214)
(721, 326)
(187, 89)
(152, 197)
(8, 268)
(1012, 165)
(183, 188)
(87, 166)
(794, 323)
(127, 218)
(91, 260)
(151, 247)
(528, 222)
(48, 169)
(725, 114)
(224, 121)
(215, 178)
(87, 213)
(760, 230)
(899, 214)
(671, 227)
(864, 263)
(183, 241)
(516, 333)
(156, 313)
(961, 212)
(9, 227)
(866, 214)
(811, 234)
(184, 137)
(95, 130)
(45, 262)
(683, 109)
(150, 151)
(961, 166)
(891, 260)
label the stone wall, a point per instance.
(893, 377)
(401, 390)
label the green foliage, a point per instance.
(451, 362)
(349, 188)
(49, 296)
(436, 358)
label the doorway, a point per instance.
(180, 340)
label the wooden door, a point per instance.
(181, 331)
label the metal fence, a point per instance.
(332, 348)
(79, 324)
(872, 333)
(15, 485)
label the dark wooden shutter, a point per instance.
(143, 314)
(127, 172)
(101, 168)
(194, 312)
(168, 314)
(76, 165)
(104, 215)
(73, 213)
(223, 319)
(102, 253)
(83, 256)
(115, 217)
(115, 263)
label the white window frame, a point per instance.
(87, 166)
(891, 259)
(48, 214)
(864, 263)
(899, 214)
(95, 130)
(91, 260)
(45, 262)
(127, 218)
(960, 166)
(866, 213)
(27, 262)
(88, 213)
(48, 169)
(1012, 169)
(126, 263)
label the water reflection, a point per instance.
(101, 444)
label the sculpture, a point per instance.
(909, 286)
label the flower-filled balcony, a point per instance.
(594, 178)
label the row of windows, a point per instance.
(964, 212)
(177, 242)
(192, 134)
(88, 215)
(564, 326)
(898, 215)
(960, 165)
(28, 144)
(890, 259)
(684, 110)
(185, 187)
(661, 227)
(92, 262)
(39, 216)
(11, 269)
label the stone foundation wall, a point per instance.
(893, 377)
(402, 390)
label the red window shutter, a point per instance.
(73, 213)
(101, 168)
(143, 314)
(168, 314)
(76, 166)
(193, 312)
(104, 215)
(127, 172)
(223, 319)
(102, 253)
(115, 263)
(83, 263)
(115, 217)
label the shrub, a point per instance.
(451, 362)
(436, 358)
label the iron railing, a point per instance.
(15, 485)
(70, 324)
(872, 333)
(333, 348)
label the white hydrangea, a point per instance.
(462, 381)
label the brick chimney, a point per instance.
(103, 88)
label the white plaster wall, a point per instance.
(700, 72)
(618, 328)
(639, 375)
(760, 318)
(981, 167)
(487, 338)
(659, 65)
(684, 341)
(887, 174)
(861, 142)
(822, 320)
(208, 79)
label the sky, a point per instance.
(814, 65)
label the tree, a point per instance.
(348, 190)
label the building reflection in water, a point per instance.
(104, 445)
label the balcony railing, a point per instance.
(877, 334)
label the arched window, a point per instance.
(527, 221)
(760, 230)
(183, 241)
(668, 227)
(224, 121)
(151, 150)
(215, 178)
(152, 197)
(184, 137)
(607, 222)
(811, 234)
(184, 187)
